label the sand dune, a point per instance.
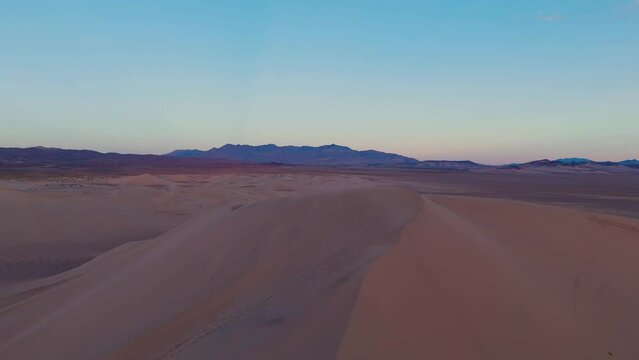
(228, 284)
(494, 279)
(374, 273)
(45, 233)
(50, 226)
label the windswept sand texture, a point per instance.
(49, 226)
(309, 266)
(231, 284)
(495, 279)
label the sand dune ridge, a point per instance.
(370, 273)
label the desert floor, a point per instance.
(308, 263)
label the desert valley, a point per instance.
(275, 261)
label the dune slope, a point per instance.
(495, 279)
(377, 273)
(276, 278)
(45, 233)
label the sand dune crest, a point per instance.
(276, 278)
(494, 279)
(377, 273)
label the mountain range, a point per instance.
(328, 155)
(574, 165)
(89, 160)
(325, 155)
(298, 155)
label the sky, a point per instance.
(493, 81)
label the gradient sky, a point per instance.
(492, 81)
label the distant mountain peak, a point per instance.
(634, 163)
(334, 146)
(331, 154)
(186, 153)
(574, 161)
(581, 165)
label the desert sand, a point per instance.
(495, 279)
(315, 265)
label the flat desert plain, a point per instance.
(320, 264)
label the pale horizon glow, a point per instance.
(493, 82)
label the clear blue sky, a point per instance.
(493, 81)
